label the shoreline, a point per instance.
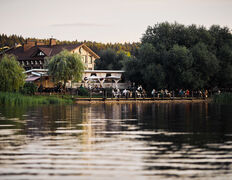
(129, 101)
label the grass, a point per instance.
(224, 98)
(7, 98)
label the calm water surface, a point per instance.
(112, 141)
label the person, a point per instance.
(153, 92)
(118, 93)
(187, 93)
(206, 93)
(113, 92)
(138, 94)
(144, 93)
(200, 93)
(166, 92)
(162, 92)
(124, 92)
(90, 87)
(140, 89)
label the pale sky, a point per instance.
(106, 20)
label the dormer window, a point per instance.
(40, 54)
(91, 60)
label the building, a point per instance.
(99, 78)
(32, 54)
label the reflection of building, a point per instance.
(32, 54)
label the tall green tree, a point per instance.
(177, 56)
(178, 67)
(11, 74)
(110, 59)
(65, 66)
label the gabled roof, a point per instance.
(47, 50)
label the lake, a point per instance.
(112, 141)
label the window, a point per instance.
(80, 50)
(83, 58)
(91, 60)
(86, 59)
(40, 54)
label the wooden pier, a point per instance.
(141, 100)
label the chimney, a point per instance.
(28, 44)
(52, 42)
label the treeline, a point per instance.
(11, 40)
(97, 47)
(175, 56)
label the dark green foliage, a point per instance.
(65, 66)
(83, 91)
(11, 40)
(111, 60)
(177, 56)
(224, 98)
(7, 98)
(29, 89)
(11, 74)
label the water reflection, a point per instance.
(111, 141)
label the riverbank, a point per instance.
(7, 98)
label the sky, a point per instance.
(106, 20)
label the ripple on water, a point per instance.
(78, 142)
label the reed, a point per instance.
(7, 98)
(224, 98)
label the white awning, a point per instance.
(32, 78)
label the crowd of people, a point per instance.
(140, 92)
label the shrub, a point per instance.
(83, 91)
(29, 88)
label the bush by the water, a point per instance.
(29, 88)
(83, 91)
(224, 98)
(7, 98)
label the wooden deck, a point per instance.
(132, 100)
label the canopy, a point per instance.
(112, 77)
(32, 78)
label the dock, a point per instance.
(141, 100)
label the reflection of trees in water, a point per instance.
(186, 137)
(196, 123)
(13, 111)
(12, 127)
